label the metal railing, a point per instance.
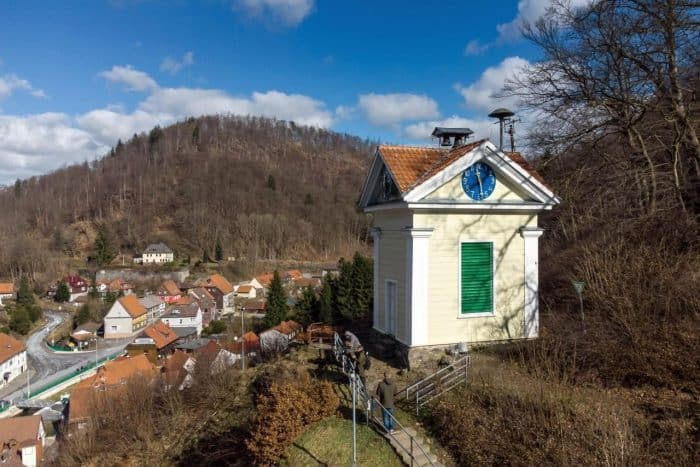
(423, 391)
(370, 403)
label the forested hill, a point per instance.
(262, 188)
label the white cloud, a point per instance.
(30, 145)
(10, 82)
(480, 95)
(529, 11)
(172, 65)
(289, 12)
(392, 109)
(135, 80)
(475, 47)
(482, 128)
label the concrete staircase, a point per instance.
(408, 441)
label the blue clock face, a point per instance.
(479, 181)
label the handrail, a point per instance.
(424, 389)
(369, 401)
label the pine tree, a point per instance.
(104, 250)
(19, 320)
(218, 251)
(24, 294)
(276, 310)
(306, 309)
(62, 293)
(325, 300)
(343, 290)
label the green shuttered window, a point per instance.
(477, 277)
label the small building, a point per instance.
(184, 316)
(178, 370)
(126, 318)
(254, 306)
(85, 333)
(250, 344)
(245, 291)
(77, 286)
(13, 358)
(155, 307)
(185, 334)
(206, 302)
(193, 345)
(216, 358)
(22, 441)
(169, 292)
(91, 395)
(221, 289)
(455, 243)
(157, 341)
(7, 291)
(157, 253)
(116, 286)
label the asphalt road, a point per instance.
(46, 366)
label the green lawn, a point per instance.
(329, 442)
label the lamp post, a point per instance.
(353, 383)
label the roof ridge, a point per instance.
(410, 146)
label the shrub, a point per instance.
(285, 409)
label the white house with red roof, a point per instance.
(455, 243)
(13, 358)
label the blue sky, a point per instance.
(76, 75)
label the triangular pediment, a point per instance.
(504, 191)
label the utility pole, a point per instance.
(242, 338)
(353, 377)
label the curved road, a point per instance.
(47, 365)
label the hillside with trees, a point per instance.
(212, 187)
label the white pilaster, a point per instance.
(531, 236)
(376, 237)
(417, 267)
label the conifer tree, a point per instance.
(325, 300)
(218, 251)
(306, 309)
(104, 250)
(62, 293)
(276, 310)
(24, 294)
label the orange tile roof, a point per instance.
(132, 305)
(170, 287)
(161, 334)
(252, 343)
(174, 366)
(245, 288)
(265, 278)
(7, 288)
(21, 429)
(522, 162)
(184, 300)
(411, 165)
(120, 369)
(220, 282)
(288, 327)
(294, 274)
(9, 346)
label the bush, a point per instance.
(215, 327)
(284, 410)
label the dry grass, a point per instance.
(329, 442)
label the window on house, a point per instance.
(114, 328)
(476, 268)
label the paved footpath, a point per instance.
(46, 365)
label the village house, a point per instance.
(193, 345)
(125, 318)
(169, 292)
(91, 395)
(156, 253)
(22, 441)
(222, 290)
(255, 306)
(184, 316)
(249, 344)
(178, 370)
(206, 302)
(157, 341)
(13, 358)
(278, 338)
(216, 357)
(77, 286)
(455, 242)
(245, 291)
(116, 286)
(155, 307)
(7, 291)
(85, 333)
(264, 280)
